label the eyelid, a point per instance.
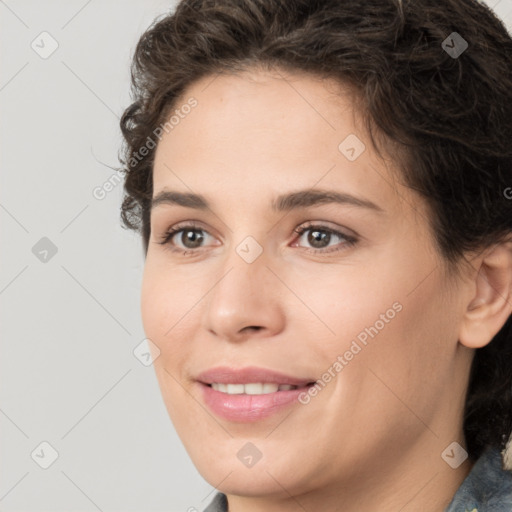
(172, 231)
(350, 240)
(329, 226)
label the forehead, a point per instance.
(261, 131)
(260, 105)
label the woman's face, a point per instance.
(357, 302)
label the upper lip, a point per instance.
(247, 375)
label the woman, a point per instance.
(323, 191)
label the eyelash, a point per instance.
(349, 240)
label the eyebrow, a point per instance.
(286, 202)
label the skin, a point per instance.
(372, 438)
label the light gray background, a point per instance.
(70, 324)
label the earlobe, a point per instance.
(491, 303)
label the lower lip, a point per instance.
(248, 408)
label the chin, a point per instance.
(250, 483)
(223, 469)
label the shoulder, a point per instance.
(487, 488)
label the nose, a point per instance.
(245, 301)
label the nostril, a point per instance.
(255, 327)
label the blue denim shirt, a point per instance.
(487, 488)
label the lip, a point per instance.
(227, 375)
(249, 408)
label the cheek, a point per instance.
(164, 297)
(384, 319)
(350, 301)
(411, 356)
(164, 307)
(156, 305)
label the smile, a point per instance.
(254, 388)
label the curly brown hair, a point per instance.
(449, 118)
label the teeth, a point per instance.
(259, 389)
(254, 388)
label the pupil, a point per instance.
(317, 237)
(193, 237)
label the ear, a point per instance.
(490, 303)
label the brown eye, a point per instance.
(319, 237)
(190, 238)
(184, 238)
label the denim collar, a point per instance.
(487, 488)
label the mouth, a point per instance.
(254, 388)
(250, 376)
(250, 394)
